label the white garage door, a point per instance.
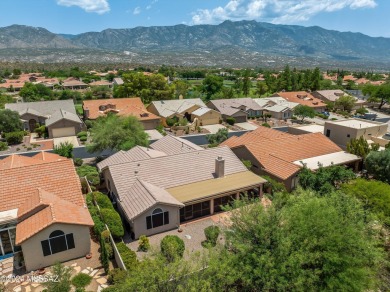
(64, 132)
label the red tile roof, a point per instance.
(276, 151)
(303, 98)
(41, 188)
(122, 106)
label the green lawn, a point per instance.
(79, 109)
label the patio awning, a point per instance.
(337, 158)
(203, 190)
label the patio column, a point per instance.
(238, 196)
(261, 191)
(211, 206)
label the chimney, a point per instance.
(219, 167)
(86, 113)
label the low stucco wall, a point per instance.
(151, 124)
(32, 248)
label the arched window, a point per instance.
(56, 233)
(157, 218)
(58, 241)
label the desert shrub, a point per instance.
(40, 131)
(78, 161)
(104, 256)
(143, 243)
(98, 226)
(105, 235)
(81, 280)
(128, 256)
(64, 149)
(88, 124)
(29, 148)
(113, 221)
(102, 200)
(212, 233)
(231, 121)
(90, 172)
(83, 138)
(3, 146)
(82, 134)
(172, 247)
(109, 249)
(170, 122)
(116, 276)
(13, 138)
(266, 125)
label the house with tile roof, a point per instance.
(277, 107)
(333, 95)
(42, 216)
(237, 108)
(157, 191)
(303, 98)
(180, 108)
(281, 155)
(59, 116)
(123, 107)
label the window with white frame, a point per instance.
(157, 218)
(58, 241)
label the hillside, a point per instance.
(242, 43)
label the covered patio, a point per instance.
(207, 197)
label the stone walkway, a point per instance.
(27, 284)
(7, 266)
(192, 235)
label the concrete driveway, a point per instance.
(247, 126)
(71, 139)
(213, 128)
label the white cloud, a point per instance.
(276, 11)
(151, 4)
(137, 10)
(96, 6)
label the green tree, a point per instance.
(65, 149)
(304, 111)
(35, 92)
(10, 121)
(149, 88)
(309, 243)
(374, 195)
(211, 85)
(61, 279)
(325, 179)
(217, 138)
(4, 98)
(116, 133)
(360, 147)
(246, 83)
(378, 165)
(346, 103)
(172, 247)
(261, 88)
(181, 88)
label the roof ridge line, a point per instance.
(147, 189)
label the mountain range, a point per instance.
(241, 43)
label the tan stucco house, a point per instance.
(43, 216)
(157, 191)
(281, 155)
(238, 108)
(342, 131)
(121, 106)
(59, 116)
(180, 108)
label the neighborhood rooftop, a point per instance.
(44, 108)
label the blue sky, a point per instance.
(370, 17)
